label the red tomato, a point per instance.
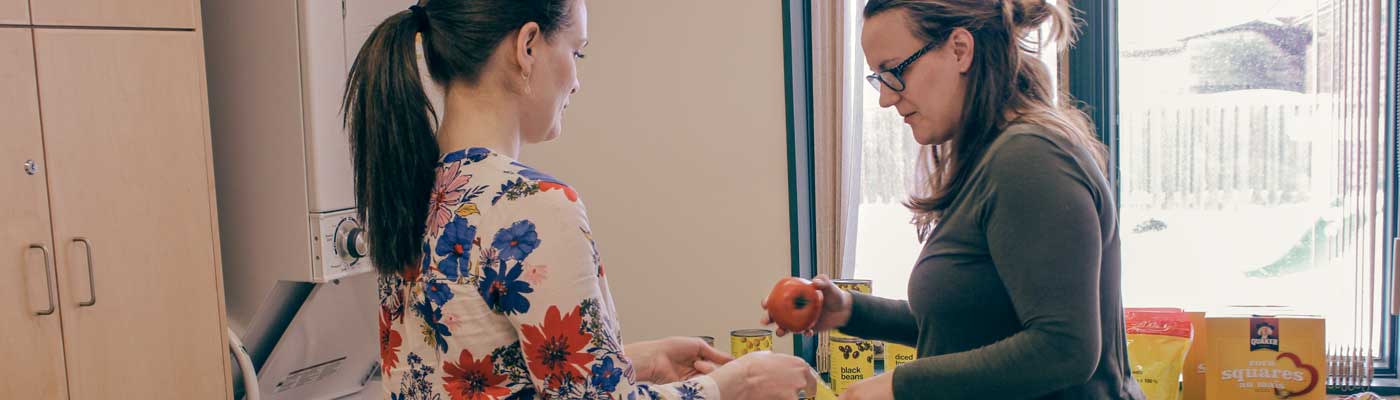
(794, 304)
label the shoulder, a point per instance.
(506, 180)
(523, 182)
(1037, 162)
(1030, 151)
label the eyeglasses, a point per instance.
(894, 77)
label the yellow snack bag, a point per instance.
(1158, 339)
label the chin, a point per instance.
(927, 138)
(541, 136)
(551, 135)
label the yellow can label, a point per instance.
(851, 361)
(898, 354)
(1256, 358)
(854, 285)
(748, 341)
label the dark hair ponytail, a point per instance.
(391, 120)
(387, 112)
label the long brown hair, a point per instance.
(1006, 84)
(388, 113)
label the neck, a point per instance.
(476, 117)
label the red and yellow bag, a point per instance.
(1158, 339)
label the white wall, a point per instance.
(677, 143)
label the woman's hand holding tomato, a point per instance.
(826, 306)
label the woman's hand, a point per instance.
(880, 387)
(674, 359)
(766, 375)
(836, 307)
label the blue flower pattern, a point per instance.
(503, 291)
(455, 246)
(606, 375)
(500, 250)
(517, 241)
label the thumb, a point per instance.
(813, 380)
(713, 355)
(705, 367)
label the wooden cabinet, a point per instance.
(14, 12)
(125, 128)
(31, 338)
(116, 13)
(107, 217)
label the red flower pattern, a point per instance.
(554, 349)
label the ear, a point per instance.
(963, 45)
(527, 40)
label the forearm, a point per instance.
(877, 318)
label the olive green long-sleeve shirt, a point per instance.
(1017, 293)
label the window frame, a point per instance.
(1387, 367)
(797, 66)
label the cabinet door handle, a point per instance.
(92, 278)
(48, 277)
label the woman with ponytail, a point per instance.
(1016, 294)
(490, 284)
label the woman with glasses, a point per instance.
(1016, 294)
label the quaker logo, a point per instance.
(1263, 334)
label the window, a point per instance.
(886, 245)
(1251, 158)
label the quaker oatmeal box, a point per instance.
(1253, 356)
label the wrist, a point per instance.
(640, 356)
(843, 315)
(733, 380)
(887, 387)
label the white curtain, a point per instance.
(1348, 60)
(836, 142)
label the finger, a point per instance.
(812, 380)
(705, 367)
(683, 341)
(713, 355)
(781, 332)
(758, 354)
(765, 320)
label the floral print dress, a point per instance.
(510, 300)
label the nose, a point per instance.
(888, 97)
